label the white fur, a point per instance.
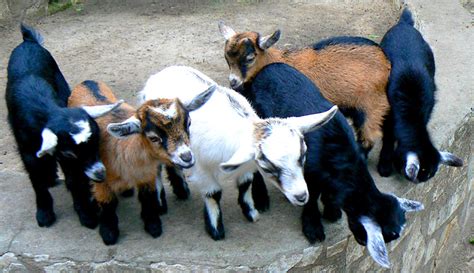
(50, 140)
(159, 186)
(213, 211)
(218, 131)
(413, 164)
(84, 134)
(226, 31)
(182, 149)
(375, 241)
(169, 113)
(235, 77)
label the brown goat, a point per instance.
(134, 143)
(352, 72)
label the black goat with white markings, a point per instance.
(411, 94)
(47, 132)
(335, 168)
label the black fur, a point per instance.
(150, 205)
(259, 193)
(179, 185)
(108, 221)
(36, 97)
(243, 188)
(93, 86)
(334, 166)
(347, 40)
(411, 93)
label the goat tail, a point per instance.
(31, 35)
(407, 17)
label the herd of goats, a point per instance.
(284, 122)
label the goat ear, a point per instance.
(100, 110)
(450, 159)
(201, 99)
(49, 143)
(84, 132)
(312, 122)
(226, 31)
(239, 158)
(375, 241)
(126, 128)
(266, 42)
(409, 205)
(412, 166)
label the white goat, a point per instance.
(230, 142)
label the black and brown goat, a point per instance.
(134, 144)
(352, 72)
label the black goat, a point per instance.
(335, 166)
(411, 94)
(46, 131)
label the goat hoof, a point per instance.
(154, 229)
(88, 220)
(262, 203)
(55, 182)
(384, 169)
(332, 214)
(216, 234)
(182, 193)
(314, 234)
(252, 215)
(109, 235)
(128, 193)
(45, 218)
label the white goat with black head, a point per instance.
(230, 142)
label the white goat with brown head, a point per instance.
(231, 142)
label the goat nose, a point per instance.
(187, 156)
(301, 197)
(233, 82)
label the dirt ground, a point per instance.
(123, 42)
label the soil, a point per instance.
(124, 42)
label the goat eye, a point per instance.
(154, 138)
(250, 58)
(69, 154)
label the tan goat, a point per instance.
(133, 144)
(352, 72)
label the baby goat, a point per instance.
(230, 143)
(352, 72)
(411, 93)
(132, 150)
(46, 132)
(334, 167)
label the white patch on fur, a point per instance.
(169, 112)
(50, 140)
(235, 77)
(226, 31)
(412, 165)
(159, 186)
(182, 149)
(282, 148)
(213, 211)
(91, 171)
(375, 241)
(84, 134)
(409, 205)
(248, 199)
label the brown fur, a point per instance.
(131, 161)
(351, 76)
